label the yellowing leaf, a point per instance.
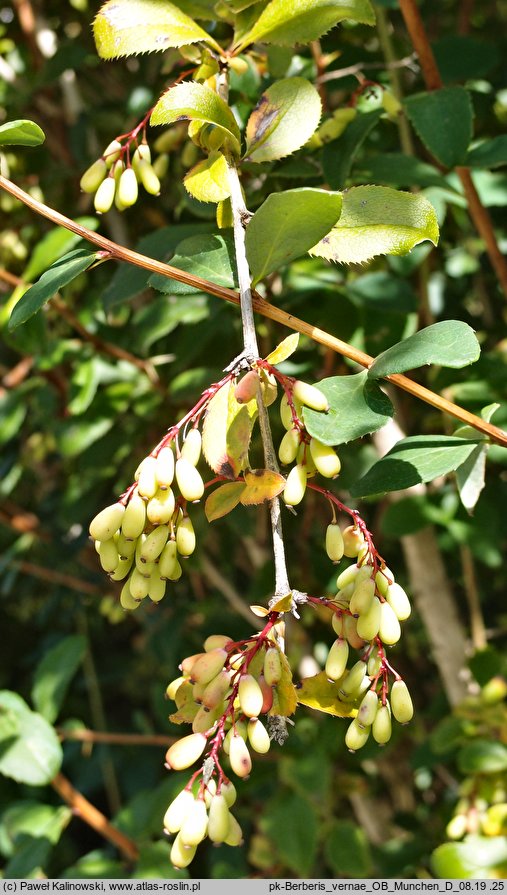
(259, 611)
(284, 694)
(185, 714)
(261, 485)
(208, 181)
(377, 220)
(318, 693)
(184, 694)
(196, 102)
(226, 432)
(223, 500)
(129, 27)
(283, 605)
(283, 350)
(284, 119)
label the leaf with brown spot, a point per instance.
(223, 500)
(261, 485)
(285, 698)
(186, 714)
(285, 117)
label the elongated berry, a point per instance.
(286, 413)
(189, 480)
(208, 666)
(235, 834)
(310, 396)
(258, 736)
(93, 176)
(188, 663)
(219, 820)
(246, 389)
(353, 541)
(126, 549)
(122, 569)
(382, 727)
(112, 152)
(401, 702)
(134, 519)
(368, 624)
(139, 585)
(104, 197)
(398, 601)
(363, 573)
(191, 449)
(389, 628)
(185, 537)
(147, 483)
(148, 178)
(127, 188)
(272, 668)
(334, 542)
(348, 576)
(168, 562)
(350, 632)
(362, 596)
(127, 601)
(267, 695)
(368, 709)
(204, 719)
(154, 543)
(156, 587)
(382, 579)
(181, 855)
(184, 752)
(354, 679)
(216, 690)
(160, 508)
(289, 446)
(337, 623)
(295, 485)
(356, 737)
(177, 811)
(250, 696)
(326, 460)
(108, 554)
(336, 661)
(107, 522)
(239, 756)
(164, 468)
(228, 791)
(374, 663)
(141, 154)
(216, 641)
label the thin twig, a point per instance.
(115, 739)
(54, 577)
(93, 817)
(119, 253)
(216, 579)
(433, 81)
(470, 584)
(359, 67)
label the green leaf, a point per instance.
(450, 343)
(420, 458)
(208, 181)
(284, 350)
(35, 829)
(290, 22)
(399, 170)
(211, 257)
(54, 673)
(490, 154)
(30, 751)
(482, 757)
(471, 859)
(321, 694)
(21, 133)
(338, 155)
(377, 220)
(347, 850)
(284, 119)
(97, 864)
(129, 27)
(287, 225)
(223, 500)
(462, 56)
(196, 102)
(59, 274)
(443, 120)
(292, 826)
(54, 244)
(357, 407)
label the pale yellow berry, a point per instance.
(164, 469)
(239, 756)
(191, 449)
(219, 819)
(186, 751)
(177, 811)
(250, 696)
(272, 667)
(181, 855)
(368, 709)
(356, 737)
(160, 508)
(398, 601)
(134, 519)
(334, 542)
(382, 727)
(189, 480)
(107, 522)
(258, 736)
(108, 554)
(310, 396)
(336, 661)
(289, 446)
(326, 460)
(401, 702)
(185, 537)
(295, 485)
(207, 666)
(127, 188)
(93, 176)
(368, 624)
(389, 628)
(104, 197)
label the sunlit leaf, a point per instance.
(21, 133)
(196, 102)
(261, 485)
(223, 500)
(284, 350)
(208, 181)
(129, 27)
(285, 117)
(318, 693)
(290, 22)
(450, 343)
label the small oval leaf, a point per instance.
(285, 117)
(318, 693)
(261, 485)
(450, 343)
(223, 500)
(284, 350)
(21, 133)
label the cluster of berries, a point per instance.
(221, 692)
(115, 176)
(143, 536)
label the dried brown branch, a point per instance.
(119, 253)
(116, 739)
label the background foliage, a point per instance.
(75, 421)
